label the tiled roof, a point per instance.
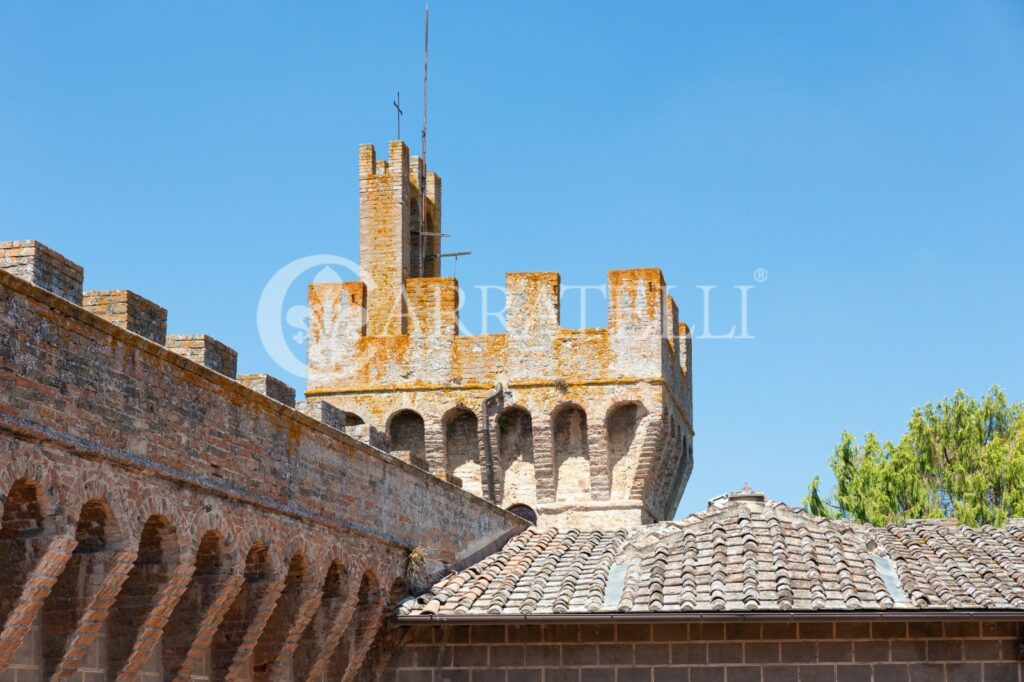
(743, 554)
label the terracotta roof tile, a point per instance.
(742, 554)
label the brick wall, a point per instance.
(208, 516)
(66, 371)
(882, 651)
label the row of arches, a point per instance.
(509, 461)
(142, 608)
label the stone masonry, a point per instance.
(162, 521)
(587, 427)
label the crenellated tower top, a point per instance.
(579, 427)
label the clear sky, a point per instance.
(867, 156)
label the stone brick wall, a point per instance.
(818, 651)
(391, 344)
(160, 517)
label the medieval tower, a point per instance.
(568, 427)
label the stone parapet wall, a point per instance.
(142, 402)
(640, 343)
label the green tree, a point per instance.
(960, 458)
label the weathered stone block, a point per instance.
(322, 411)
(44, 267)
(205, 350)
(272, 387)
(130, 311)
(370, 435)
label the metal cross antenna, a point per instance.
(398, 108)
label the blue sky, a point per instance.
(869, 156)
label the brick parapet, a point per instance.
(270, 386)
(206, 351)
(432, 369)
(44, 267)
(211, 433)
(130, 311)
(323, 412)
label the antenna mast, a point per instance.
(426, 44)
(423, 148)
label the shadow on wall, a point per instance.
(120, 607)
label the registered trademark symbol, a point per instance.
(760, 275)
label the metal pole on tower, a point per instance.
(423, 149)
(426, 44)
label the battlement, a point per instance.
(44, 267)
(206, 351)
(130, 311)
(47, 269)
(400, 165)
(395, 167)
(272, 387)
(641, 338)
(118, 328)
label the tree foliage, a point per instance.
(960, 458)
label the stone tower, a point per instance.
(569, 427)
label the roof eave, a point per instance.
(714, 617)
